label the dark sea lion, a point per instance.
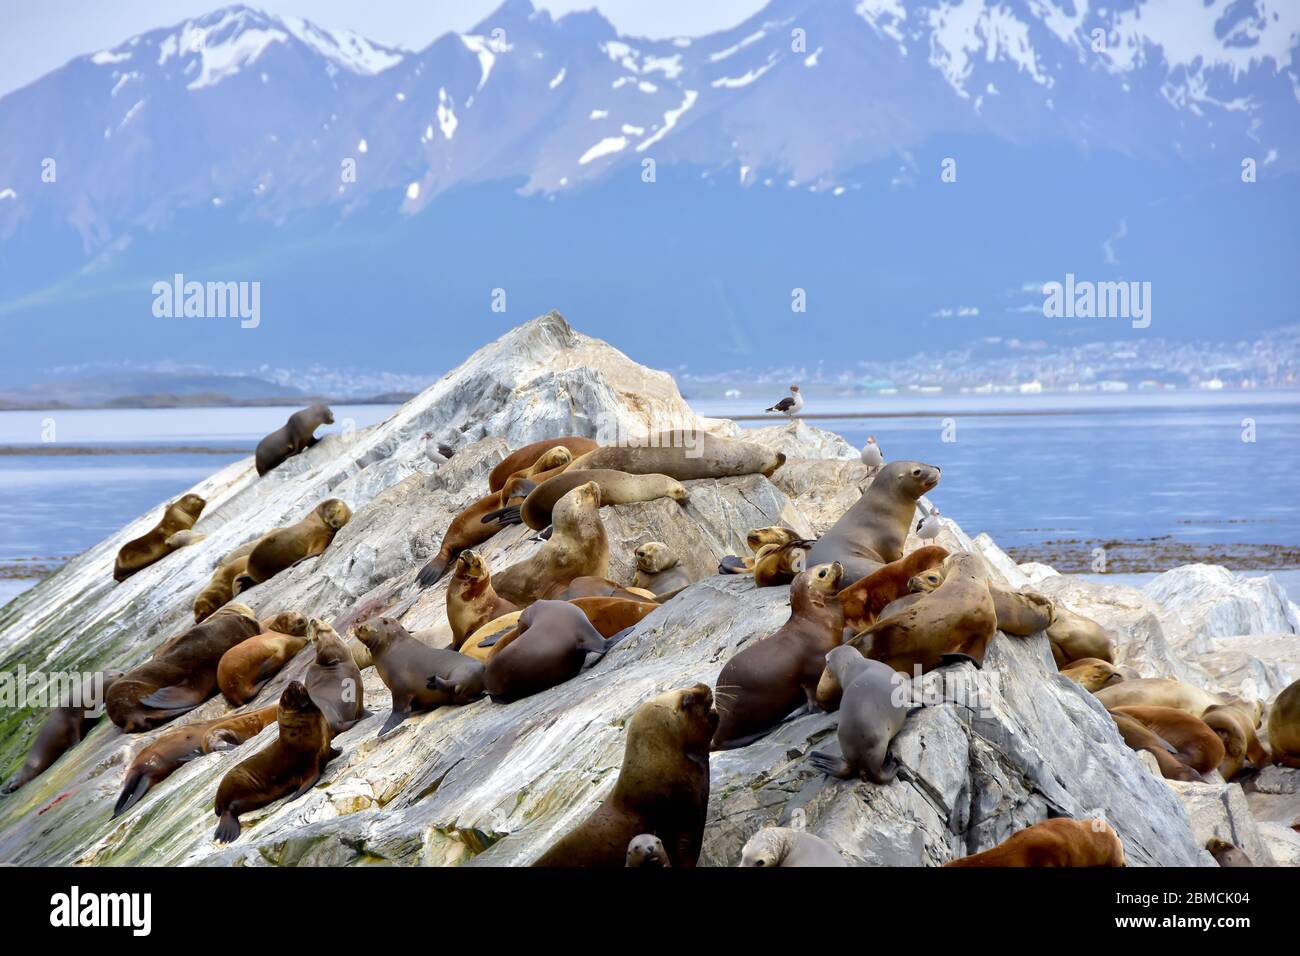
(295, 435)
(578, 548)
(523, 458)
(865, 598)
(1226, 854)
(420, 677)
(138, 553)
(872, 532)
(1195, 745)
(471, 599)
(1284, 726)
(616, 488)
(247, 667)
(1057, 842)
(874, 702)
(1234, 722)
(548, 646)
(685, 456)
(1092, 673)
(768, 680)
(65, 726)
(289, 766)
(177, 681)
(333, 679)
(658, 569)
(159, 760)
(662, 787)
(783, 846)
(1075, 637)
(647, 850)
(285, 547)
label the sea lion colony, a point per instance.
(866, 618)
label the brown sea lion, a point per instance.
(786, 847)
(1235, 722)
(1186, 738)
(872, 532)
(419, 677)
(248, 666)
(548, 646)
(866, 597)
(616, 488)
(471, 599)
(768, 680)
(288, 766)
(138, 553)
(1075, 637)
(647, 850)
(874, 703)
(1226, 854)
(1284, 726)
(578, 547)
(610, 615)
(778, 564)
(662, 787)
(1158, 692)
(657, 568)
(523, 458)
(756, 538)
(1058, 842)
(164, 756)
(1022, 613)
(285, 547)
(684, 455)
(219, 590)
(66, 725)
(296, 435)
(1092, 673)
(334, 679)
(589, 586)
(185, 676)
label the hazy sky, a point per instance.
(41, 36)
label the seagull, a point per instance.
(436, 452)
(871, 456)
(928, 527)
(791, 404)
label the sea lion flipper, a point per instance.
(218, 741)
(830, 765)
(432, 572)
(136, 786)
(227, 828)
(177, 698)
(491, 639)
(503, 516)
(394, 720)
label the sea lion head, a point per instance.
(911, 479)
(646, 850)
(192, 505)
(1044, 602)
(925, 581)
(300, 718)
(654, 557)
(378, 633)
(288, 622)
(330, 648)
(775, 462)
(1228, 725)
(964, 564)
(471, 567)
(842, 665)
(334, 513)
(204, 608)
(323, 413)
(826, 578)
(757, 537)
(766, 848)
(1092, 673)
(582, 500)
(238, 610)
(676, 721)
(552, 458)
(677, 491)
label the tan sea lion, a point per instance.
(185, 676)
(662, 787)
(1022, 613)
(778, 564)
(164, 756)
(334, 678)
(588, 586)
(610, 615)
(138, 553)
(295, 435)
(616, 488)
(483, 642)
(647, 850)
(220, 587)
(1284, 726)
(756, 538)
(1058, 842)
(866, 597)
(1075, 637)
(183, 539)
(872, 532)
(66, 725)
(874, 703)
(1092, 673)
(768, 680)
(685, 455)
(1158, 692)
(548, 646)
(523, 458)
(578, 547)
(1181, 736)
(285, 547)
(288, 766)
(1235, 722)
(1226, 854)
(248, 666)
(784, 846)
(471, 599)
(419, 677)
(657, 568)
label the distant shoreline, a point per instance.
(149, 402)
(54, 449)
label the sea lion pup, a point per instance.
(685, 455)
(1075, 637)
(578, 548)
(616, 488)
(159, 760)
(1284, 727)
(65, 726)
(866, 597)
(1226, 854)
(177, 681)
(662, 787)
(756, 538)
(657, 568)
(247, 667)
(295, 435)
(872, 532)
(647, 850)
(1194, 743)
(1158, 692)
(420, 677)
(290, 765)
(768, 680)
(471, 599)
(874, 702)
(1092, 673)
(333, 679)
(777, 564)
(154, 545)
(549, 645)
(1234, 722)
(953, 622)
(783, 846)
(526, 457)
(285, 547)
(1057, 842)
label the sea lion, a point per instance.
(1022, 613)
(588, 586)
(685, 455)
(577, 548)
(872, 532)
(295, 435)
(783, 846)
(953, 622)
(471, 599)
(866, 597)
(177, 681)
(611, 615)
(1187, 739)
(616, 488)
(248, 666)
(66, 725)
(777, 564)
(1234, 722)
(334, 678)
(289, 766)
(1092, 673)
(484, 641)
(662, 787)
(874, 702)
(657, 568)
(1226, 854)
(164, 756)
(419, 677)
(647, 850)
(219, 590)
(522, 458)
(1158, 692)
(768, 680)
(756, 538)
(1057, 842)
(285, 547)
(138, 553)
(1075, 637)
(548, 646)
(1284, 726)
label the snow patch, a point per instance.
(105, 57)
(447, 121)
(362, 146)
(558, 78)
(413, 191)
(670, 120)
(610, 144)
(598, 114)
(736, 48)
(811, 59)
(8, 193)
